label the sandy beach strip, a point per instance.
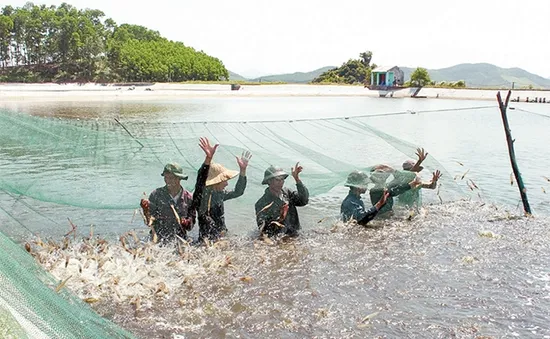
(169, 91)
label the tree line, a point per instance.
(49, 43)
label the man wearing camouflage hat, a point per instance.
(171, 210)
(276, 211)
(353, 207)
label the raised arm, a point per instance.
(433, 183)
(422, 155)
(395, 190)
(301, 196)
(241, 182)
(209, 150)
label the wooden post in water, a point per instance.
(522, 191)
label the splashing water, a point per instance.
(457, 269)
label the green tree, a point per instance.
(6, 27)
(354, 71)
(67, 44)
(420, 77)
(366, 58)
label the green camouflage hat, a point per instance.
(175, 169)
(357, 179)
(273, 172)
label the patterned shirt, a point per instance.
(269, 210)
(165, 222)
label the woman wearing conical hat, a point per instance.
(211, 212)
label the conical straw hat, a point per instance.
(217, 173)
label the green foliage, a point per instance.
(460, 84)
(420, 77)
(441, 84)
(354, 71)
(40, 43)
(164, 60)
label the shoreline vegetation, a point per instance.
(64, 44)
(40, 43)
(80, 49)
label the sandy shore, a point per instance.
(166, 91)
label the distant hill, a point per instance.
(296, 78)
(484, 75)
(475, 75)
(235, 76)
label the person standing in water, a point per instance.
(276, 211)
(352, 207)
(212, 213)
(171, 210)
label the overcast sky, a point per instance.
(258, 37)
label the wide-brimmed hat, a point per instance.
(217, 173)
(379, 176)
(409, 164)
(175, 169)
(273, 172)
(357, 179)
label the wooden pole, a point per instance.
(522, 191)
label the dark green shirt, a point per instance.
(212, 213)
(394, 190)
(165, 223)
(269, 208)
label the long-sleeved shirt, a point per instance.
(212, 213)
(269, 209)
(185, 204)
(376, 193)
(353, 208)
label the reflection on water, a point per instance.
(456, 270)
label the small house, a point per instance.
(387, 76)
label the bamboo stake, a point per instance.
(522, 191)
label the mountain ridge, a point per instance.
(474, 74)
(296, 77)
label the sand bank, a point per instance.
(166, 91)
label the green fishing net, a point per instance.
(108, 164)
(30, 307)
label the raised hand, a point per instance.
(208, 149)
(436, 175)
(243, 161)
(421, 154)
(296, 171)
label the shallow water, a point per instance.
(455, 270)
(463, 269)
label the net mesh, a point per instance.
(107, 164)
(30, 307)
(110, 164)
